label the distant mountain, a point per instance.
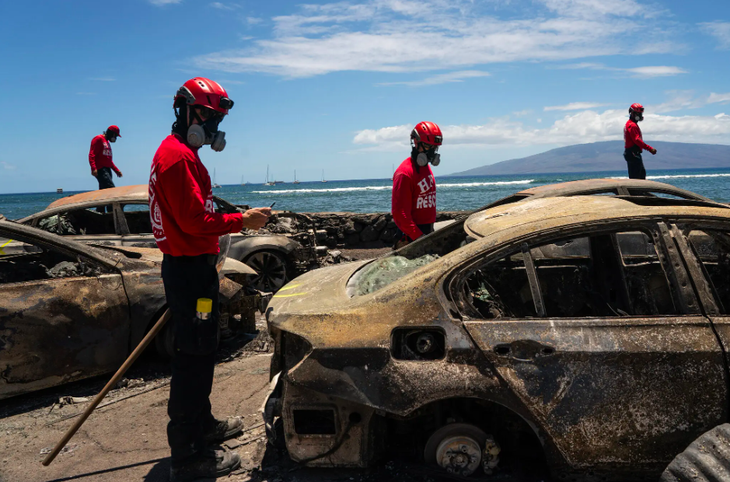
(608, 156)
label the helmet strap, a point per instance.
(180, 126)
(414, 155)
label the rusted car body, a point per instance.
(120, 216)
(592, 331)
(583, 187)
(69, 311)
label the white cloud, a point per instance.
(382, 35)
(645, 72)
(656, 71)
(161, 3)
(223, 6)
(718, 98)
(583, 127)
(582, 8)
(686, 99)
(103, 79)
(574, 106)
(254, 20)
(7, 167)
(719, 30)
(86, 93)
(442, 78)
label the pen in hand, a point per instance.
(272, 205)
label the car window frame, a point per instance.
(700, 278)
(453, 282)
(30, 238)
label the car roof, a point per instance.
(136, 193)
(587, 186)
(126, 195)
(552, 212)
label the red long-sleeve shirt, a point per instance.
(413, 200)
(633, 137)
(184, 221)
(100, 154)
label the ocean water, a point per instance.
(373, 195)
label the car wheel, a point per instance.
(270, 267)
(461, 449)
(706, 459)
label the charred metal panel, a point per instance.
(59, 330)
(609, 390)
(355, 430)
(146, 301)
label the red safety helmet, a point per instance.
(636, 109)
(204, 92)
(428, 133)
(113, 130)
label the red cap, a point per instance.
(113, 130)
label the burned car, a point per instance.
(120, 216)
(583, 187)
(586, 335)
(70, 311)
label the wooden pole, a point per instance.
(114, 380)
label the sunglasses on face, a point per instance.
(206, 113)
(429, 147)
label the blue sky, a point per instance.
(339, 85)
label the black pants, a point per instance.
(400, 235)
(186, 279)
(104, 176)
(635, 163)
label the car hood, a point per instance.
(316, 306)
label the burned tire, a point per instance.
(707, 459)
(459, 449)
(271, 269)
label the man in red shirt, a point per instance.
(186, 228)
(413, 202)
(634, 143)
(100, 157)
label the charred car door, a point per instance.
(707, 251)
(598, 331)
(63, 316)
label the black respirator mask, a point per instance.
(638, 116)
(206, 132)
(430, 155)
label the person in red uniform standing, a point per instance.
(186, 228)
(634, 143)
(413, 202)
(100, 157)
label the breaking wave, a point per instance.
(684, 176)
(439, 185)
(679, 176)
(334, 189)
(479, 184)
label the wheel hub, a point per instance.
(460, 455)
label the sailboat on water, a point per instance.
(296, 181)
(323, 179)
(215, 184)
(268, 183)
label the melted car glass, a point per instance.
(384, 271)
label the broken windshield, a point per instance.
(384, 271)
